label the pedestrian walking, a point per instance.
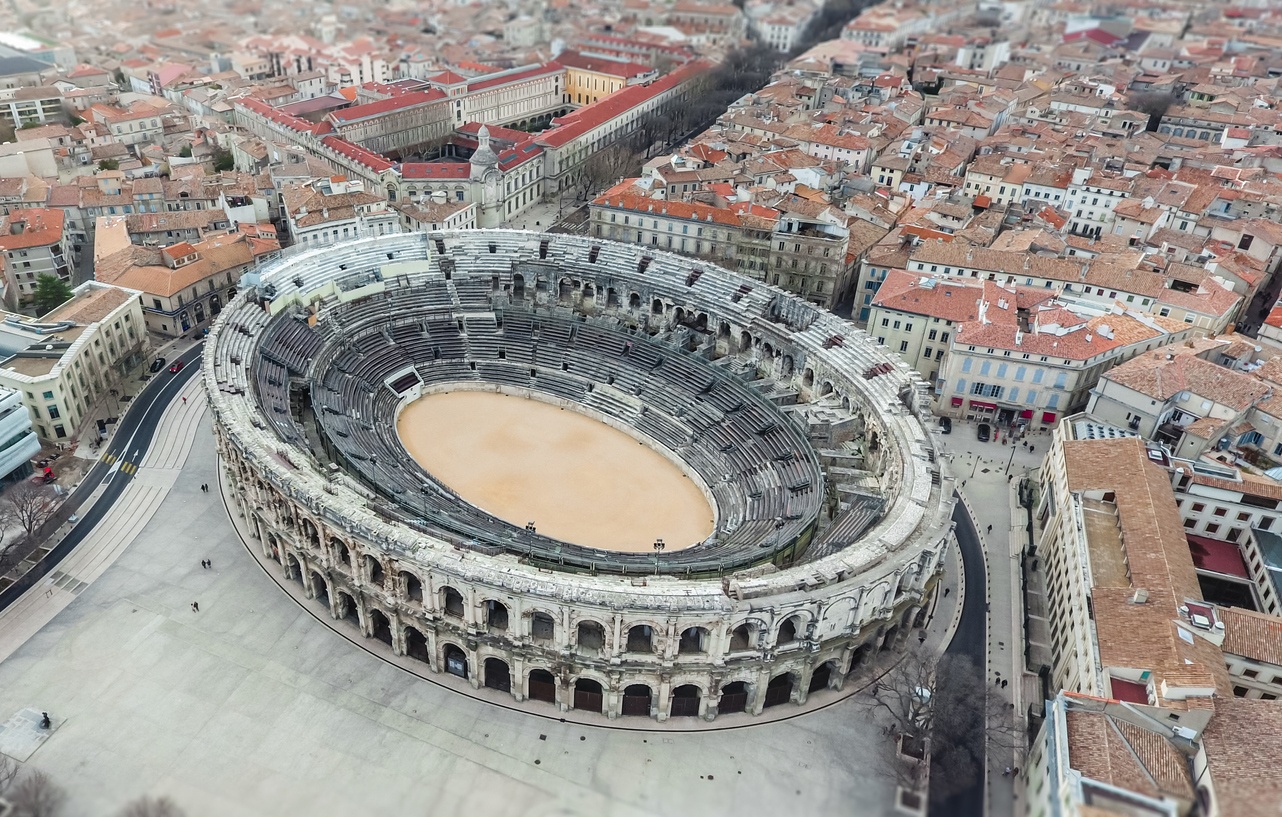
(209, 563)
(947, 590)
(990, 528)
(195, 607)
(1003, 683)
(184, 401)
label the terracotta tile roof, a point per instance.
(515, 77)
(1061, 333)
(382, 107)
(692, 211)
(357, 153)
(1121, 754)
(39, 228)
(1153, 375)
(1251, 635)
(1243, 743)
(435, 170)
(1151, 539)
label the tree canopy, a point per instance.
(51, 293)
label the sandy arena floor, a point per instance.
(579, 480)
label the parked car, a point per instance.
(984, 432)
(178, 367)
(157, 364)
(946, 425)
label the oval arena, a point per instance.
(809, 443)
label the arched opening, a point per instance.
(292, 569)
(380, 627)
(309, 530)
(347, 608)
(452, 602)
(921, 618)
(589, 292)
(723, 330)
(542, 628)
(587, 695)
(344, 555)
(808, 378)
(821, 677)
(685, 702)
(657, 306)
(566, 291)
(542, 686)
(779, 690)
(416, 645)
(741, 638)
(734, 698)
(693, 640)
(701, 322)
(825, 389)
(888, 642)
(455, 661)
(320, 590)
(496, 616)
(861, 659)
(679, 315)
(518, 285)
(497, 675)
(786, 366)
(413, 587)
(640, 638)
(375, 570)
(611, 297)
(845, 404)
(788, 632)
(591, 636)
(636, 700)
(745, 342)
(634, 301)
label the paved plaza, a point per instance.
(252, 707)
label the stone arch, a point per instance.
(694, 641)
(589, 694)
(496, 616)
(701, 322)
(542, 627)
(518, 285)
(734, 697)
(786, 366)
(640, 638)
(780, 689)
(657, 306)
(452, 602)
(678, 315)
(413, 587)
(541, 685)
(455, 659)
(611, 297)
(723, 330)
(823, 676)
(293, 570)
(342, 553)
(311, 534)
(589, 291)
(380, 626)
(637, 700)
(825, 389)
(416, 645)
(634, 301)
(320, 589)
(889, 637)
(374, 569)
(791, 630)
(686, 701)
(565, 289)
(497, 674)
(845, 403)
(346, 609)
(589, 636)
(745, 341)
(862, 658)
(744, 636)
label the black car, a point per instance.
(157, 364)
(984, 432)
(946, 425)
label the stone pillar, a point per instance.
(663, 701)
(759, 692)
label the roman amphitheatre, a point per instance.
(593, 478)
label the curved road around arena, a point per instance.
(969, 640)
(107, 479)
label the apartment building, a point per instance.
(917, 315)
(18, 440)
(21, 106)
(589, 77)
(71, 358)
(334, 209)
(33, 243)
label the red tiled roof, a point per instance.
(601, 65)
(518, 76)
(435, 170)
(389, 105)
(447, 78)
(263, 109)
(598, 113)
(693, 211)
(357, 153)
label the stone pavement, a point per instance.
(22, 734)
(988, 475)
(248, 707)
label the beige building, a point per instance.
(69, 360)
(33, 243)
(184, 285)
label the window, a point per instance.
(48, 395)
(903, 346)
(885, 321)
(1212, 529)
(59, 431)
(929, 352)
(53, 412)
(1245, 242)
(1198, 507)
(931, 335)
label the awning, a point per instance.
(1026, 414)
(975, 404)
(957, 401)
(1048, 416)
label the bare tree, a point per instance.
(36, 795)
(942, 714)
(9, 769)
(152, 807)
(31, 505)
(604, 168)
(7, 520)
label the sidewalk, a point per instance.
(988, 476)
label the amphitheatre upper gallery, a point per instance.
(807, 440)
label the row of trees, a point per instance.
(33, 793)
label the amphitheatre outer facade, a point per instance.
(812, 444)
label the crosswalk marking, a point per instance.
(108, 459)
(129, 468)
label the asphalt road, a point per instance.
(127, 448)
(969, 640)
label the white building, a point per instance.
(18, 441)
